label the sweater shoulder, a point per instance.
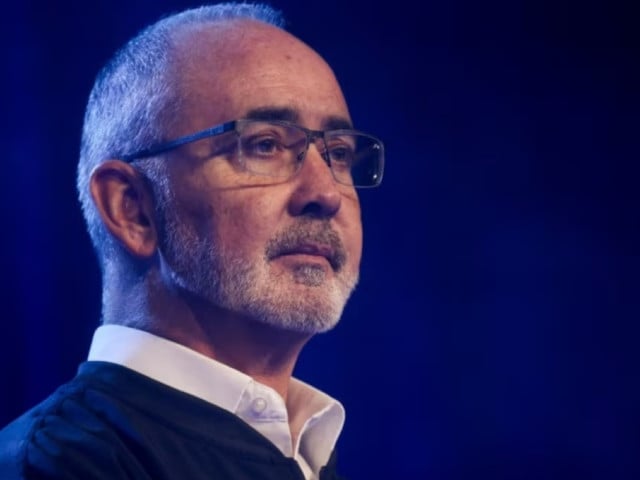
(55, 438)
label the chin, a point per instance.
(300, 323)
(305, 311)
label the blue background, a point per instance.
(495, 330)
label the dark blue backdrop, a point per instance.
(494, 334)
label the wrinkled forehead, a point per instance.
(228, 69)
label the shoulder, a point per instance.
(111, 423)
(65, 436)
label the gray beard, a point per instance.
(250, 288)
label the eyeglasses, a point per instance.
(277, 149)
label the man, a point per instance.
(217, 176)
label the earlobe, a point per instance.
(125, 205)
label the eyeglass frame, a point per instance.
(230, 126)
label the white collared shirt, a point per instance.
(318, 417)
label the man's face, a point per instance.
(285, 253)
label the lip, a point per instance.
(312, 249)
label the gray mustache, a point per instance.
(306, 233)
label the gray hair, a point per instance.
(133, 100)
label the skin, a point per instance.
(225, 73)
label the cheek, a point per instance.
(236, 218)
(356, 243)
(244, 223)
(353, 230)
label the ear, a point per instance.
(124, 202)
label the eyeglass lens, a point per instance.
(277, 149)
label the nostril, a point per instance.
(314, 210)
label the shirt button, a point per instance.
(258, 405)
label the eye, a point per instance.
(265, 146)
(262, 146)
(341, 155)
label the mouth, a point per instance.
(315, 241)
(315, 250)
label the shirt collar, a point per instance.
(315, 415)
(170, 363)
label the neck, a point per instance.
(265, 353)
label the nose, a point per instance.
(316, 194)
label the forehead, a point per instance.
(227, 70)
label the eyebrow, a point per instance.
(286, 114)
(337, 123)
(273, 113)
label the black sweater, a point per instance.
(112, 423)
